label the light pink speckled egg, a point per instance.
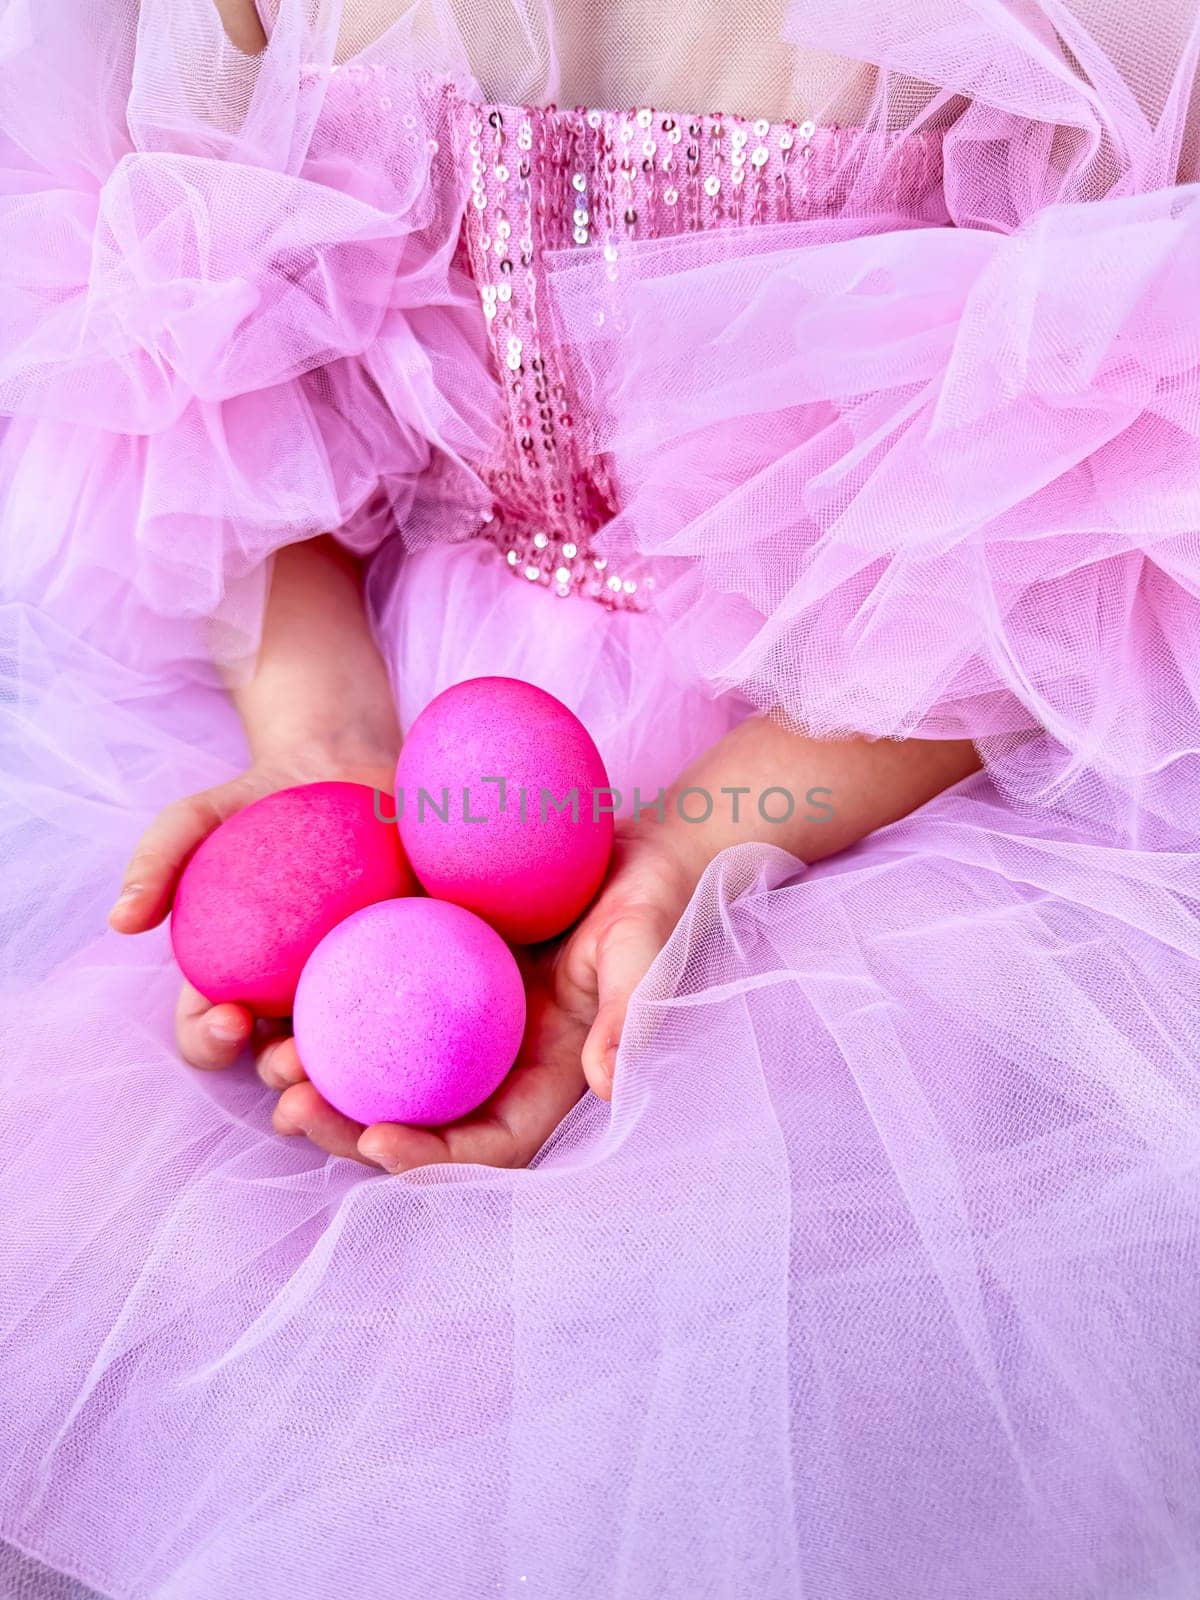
(528, 850)
(261, 892)
(410, 1011)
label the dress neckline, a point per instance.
(434, 84)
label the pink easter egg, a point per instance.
(261, 892)
(410, 1011)
(504, 806)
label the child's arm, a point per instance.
(317, 706)
(242, 24)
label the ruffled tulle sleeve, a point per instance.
(944, 482)
(230, 312)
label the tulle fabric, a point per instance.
(879, 1277)
(921, 494)
(231, 316)
(941, 483)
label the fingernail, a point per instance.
(286, 1125)
(373, 1151)
(129, 892)
(610, 1064)
(227, 1032)
(271, 1064)
(264, 1063)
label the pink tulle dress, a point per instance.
(866, 391)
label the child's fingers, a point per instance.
(210, 1037)
(301, 1110)
(507, 1132)
(484, 1139)
(149, 881)
(279, 1064)
(398, 1148)
(624, 954)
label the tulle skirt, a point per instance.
(876, 1279)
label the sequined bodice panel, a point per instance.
(550, 180)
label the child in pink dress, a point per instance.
(824, 427)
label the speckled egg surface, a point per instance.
(261, 892)
(410, 1011)
(504, 806)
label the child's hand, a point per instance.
(608, 954)
(578, 990)
(211, 1037)
(837, 793)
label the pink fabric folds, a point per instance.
(911, 489)
(944, 482)
(878, 1278)
(229, 314)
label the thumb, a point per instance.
(624, 954)
(148, 884)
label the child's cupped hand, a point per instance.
(578, 989)
(212, 1037)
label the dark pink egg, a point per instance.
(410, 1011)
(504, 806)
(261, 892)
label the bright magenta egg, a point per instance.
(261, 892)
(410, 1011)
(504, 806)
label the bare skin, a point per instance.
(715, 67)
(318, 705)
